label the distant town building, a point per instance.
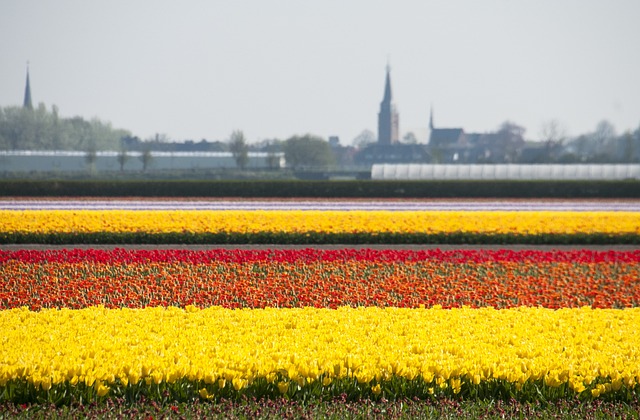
(388, 148)
(445, 137)
(453, 145)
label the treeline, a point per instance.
(160, 143)
(603, 145)
(41, 129)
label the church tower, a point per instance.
(388, 132)
(27, 93)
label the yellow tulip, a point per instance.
(204, 393)
(101, 389)
(239, 383)
(283, 387)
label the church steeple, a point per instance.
(27, 104)
(388, 116)
(431, 118)
(387, 86)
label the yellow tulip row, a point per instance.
(295, 221)
(585, 350)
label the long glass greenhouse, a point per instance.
(505, 171)
(77, 161)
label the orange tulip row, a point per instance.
(300, 278)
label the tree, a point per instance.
(122, 158)
(604, 138)
(581, 146)
(553, 134)
(634, 154)
(552, 131)
(596, 146)
(605, 131)
(308, 152)
(410, 138)
(91, 157)
(629, 148)
(40, 129)
(272, 148)
(508, 140)
(239, 149)
(146, 157)
(512, 129)
(364, 138)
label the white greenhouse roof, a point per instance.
(410, 171)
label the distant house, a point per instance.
(447, 145)
(447, 137)
(392, 153)
(453, 145)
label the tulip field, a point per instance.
(352, 223)
(115, 330)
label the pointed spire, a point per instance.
(431, 118)
(27, 92)
(388, 115)
(387, 86)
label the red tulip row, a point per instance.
(125, 256)
(319, 278)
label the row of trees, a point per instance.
(41, 129)
(602, 145)
(301, 152)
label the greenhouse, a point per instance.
(75, 161)
(505, 171)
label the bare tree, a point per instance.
(91, 156)
(410, 138)
(122, 157)
(146, 157)
(507, 140)
(364, 138)
(239, 149)
(603, 141)
(605, 131)
(553, 134)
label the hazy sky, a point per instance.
(275, 68)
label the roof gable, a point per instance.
(445, 136)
